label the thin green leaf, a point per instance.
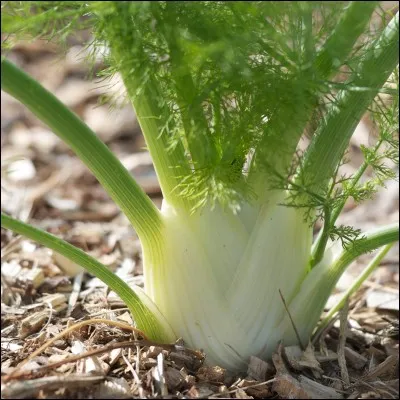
(146, 315)
(113, 176)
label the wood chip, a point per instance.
(285, 384)
(241, 394)
(383, 300)
(75, 91)
(259, 369)
(255, 388)
(70, 268)
(76, 289)
(11, 310)
(57, 357)
(173, 378)
(95, 366)
(211, 374)
(114, 356)
(201, 390)
(113, 388)
(34, 276)
(342, 344)
(190, 380)
(386, 367)
(355, 359)
(30, 388)
(21, 171)
(8, 329)
(10, 270)
(125, 317)
(54, 300)
(316, 390)
(33, 323)
(184, 360)
(152, 352)
(391, 346)
(108, 124)
(301, 360)
(158, 375)
(289, 388)
(10, 345)
(328, 356)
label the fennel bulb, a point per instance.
(217, 280)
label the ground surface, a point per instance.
(42, 295)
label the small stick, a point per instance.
(10, 247)
(135, 376)
(342, 343)
(292, 322)
(216, 395)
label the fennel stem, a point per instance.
(145, 318)
(330, 141)
(335, 50)
(113, 176)
(373, 264)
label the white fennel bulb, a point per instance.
(217, 281)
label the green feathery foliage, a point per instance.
(215, 90)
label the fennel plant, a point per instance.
(223, 92)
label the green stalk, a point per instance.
(155, 328)
(113, 176)
(331, 140)
(201, 147)
(152, 116)
(340, 43)
(371, 241)
(319, 246)
(354, 180)
(331, 216)
(334, 52)
(307, 31)
(355, 286)
(169, 165)
(320, 282)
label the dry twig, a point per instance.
(342, 344)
